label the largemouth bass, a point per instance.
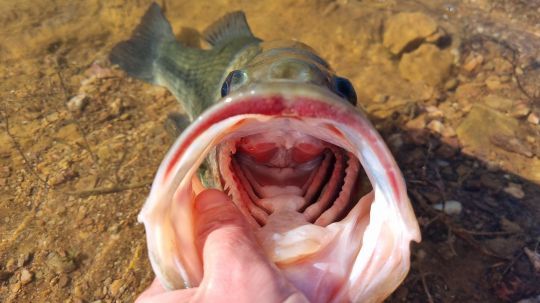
(278, 131)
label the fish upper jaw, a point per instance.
(360, 256)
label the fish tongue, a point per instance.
(287, 236)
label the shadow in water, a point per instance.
(480, 249)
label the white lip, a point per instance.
(167, 212)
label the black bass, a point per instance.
(278, 131)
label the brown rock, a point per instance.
(510, 226)
(436, 126)
(446, 151)
(11, 265)
(63, 281)
(115, 287)
(5, 275)
(511, 144)
(498, 102)
(479, 125)
(451, 84)
(515, 190)
(533, 118)
(416, 123)
(490, 182)
(503, 246)
(495, 83)
(23, 259)
(488, 134)
(521, 109)
(60, 264)
(77, 103)
(116, 107)
(428, 64)
(472, 61)
(26, 276)
(405, 29)
(534, 257)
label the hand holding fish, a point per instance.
(235, 266)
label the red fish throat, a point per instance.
(288, 171)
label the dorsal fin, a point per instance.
(232, 25)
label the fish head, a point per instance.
(305, 167)
(292, 62)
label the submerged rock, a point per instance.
(488, 134)
(450, 207)
(499, 103)
(480, 124)
(427, 64)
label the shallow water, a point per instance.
(459, 107)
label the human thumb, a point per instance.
(223, 236)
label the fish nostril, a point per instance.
(292, 70)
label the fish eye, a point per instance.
(344, 88)
(234, 77)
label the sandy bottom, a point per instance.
(452, 87)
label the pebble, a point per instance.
(60, 264)
(116, 107)
(510, 226)
(115, 287)
(521, 109)
(451, 84)
(533, 118)
(504, 246)
(494, 83)
(23, 259)
(530, 300)
(15, 287)
(5, 172)
(490, 182)
(63, 281)
(26, 276)
(5, 275)
(534, 257)
(77, 103)
(515, 190)
(448, 132)
(434, 112)
(446, 151)
(436, 126)
(11, 265)
(450, 207)
(472, 61)
(416, 123)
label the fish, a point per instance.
(270, 124)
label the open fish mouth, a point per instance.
(312, 177)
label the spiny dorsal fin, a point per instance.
(233, 25)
